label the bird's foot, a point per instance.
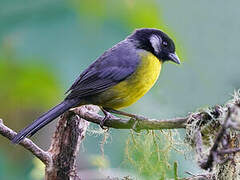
(135, 118)
(107, 116)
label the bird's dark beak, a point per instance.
(173, 57)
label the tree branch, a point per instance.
(139, 123)
(208, 164)
(214, 135)
(26, 143)
(205, 130)
(70, 131)
(60, 159)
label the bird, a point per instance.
(116, 79)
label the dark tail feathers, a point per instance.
(44, 120)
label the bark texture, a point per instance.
(213, 133)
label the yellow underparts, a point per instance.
(134, 87)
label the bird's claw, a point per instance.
(106, 117)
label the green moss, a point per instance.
(148, 153)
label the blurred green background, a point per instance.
(45, 45)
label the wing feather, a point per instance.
(115, 65)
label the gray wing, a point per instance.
(115, 65)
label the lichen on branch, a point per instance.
(212, 132)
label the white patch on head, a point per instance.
(156, 42)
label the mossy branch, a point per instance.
(212, 132)
(137, 123)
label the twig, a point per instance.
(207, 176)
(175, 169)
(214, 151)
(228, 151)
(199, 144)
(142, 122)
(26, 143)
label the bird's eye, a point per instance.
(164, 43)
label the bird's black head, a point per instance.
(157, 42)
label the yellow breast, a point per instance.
(139, 83)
